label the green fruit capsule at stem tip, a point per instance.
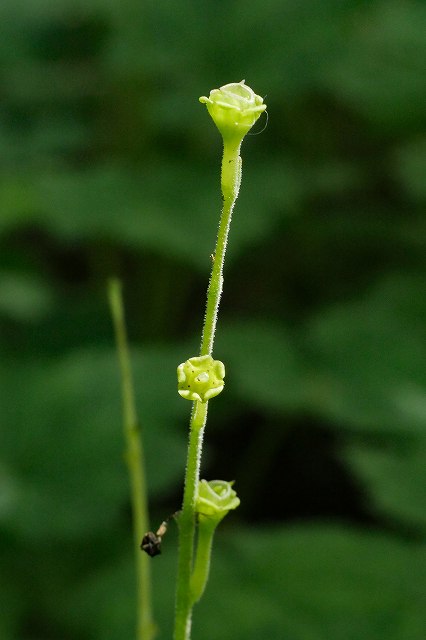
(234, 109)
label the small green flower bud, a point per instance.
(234, 109)
(200, 378)
(215, 499)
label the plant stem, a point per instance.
(187, 523)
(135, 463)
(230, 183)
(200, 574)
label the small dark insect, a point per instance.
(151, 542)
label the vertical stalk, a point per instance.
(200, 574)
(187, 523)
(230, 182)
(135, 463)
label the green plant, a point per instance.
(321, 323)
(234, 109)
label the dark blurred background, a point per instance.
(110, 166)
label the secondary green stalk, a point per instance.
(201, 570)
(135, 463)
(215, 500)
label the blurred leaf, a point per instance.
(362, 364)
(11, 606)
(105, 598)
(19, 203)
(411, 167)
(396, 479)
(369, 359)
(8, 491)
(49, 136)
(296, 41)
(263, 365)
(63, 437)
(153, 209)
(23, 297)
(303, 583)
(380, 74)
(100, 603)
(313, 583)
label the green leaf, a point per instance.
(262, 363)
(299, 583)
(312, 583)
(23, 297)
(380, 72)
(410, 159)
(396, 479)
(105, 597)
(11, 606)
(172, 208)
(368, 359)
(62, 436)
(303, 583)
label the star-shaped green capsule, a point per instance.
(200, 378)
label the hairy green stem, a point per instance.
(230, 183)
(135, 463)
(187, 523)
(200, 574)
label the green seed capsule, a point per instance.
(200, 378)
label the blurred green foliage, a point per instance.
(109, 166)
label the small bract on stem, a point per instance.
(234, 109)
